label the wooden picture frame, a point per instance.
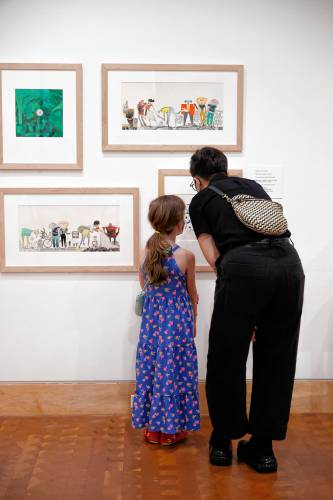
(76, 150)
(237, 93)
(163, 174)
(133, 192)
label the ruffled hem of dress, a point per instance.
(166, 413)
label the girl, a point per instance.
(166, 401)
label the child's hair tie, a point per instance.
(157, 232)
(166, 251)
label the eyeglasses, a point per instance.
(193, 185)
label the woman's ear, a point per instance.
(202, 183)
(197, 183)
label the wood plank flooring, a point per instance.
(113, 398)
(92, 458)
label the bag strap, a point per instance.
(221, 193)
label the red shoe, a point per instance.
(170, 439)
(151, 437)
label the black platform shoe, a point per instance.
(248, 453)
(220, 456)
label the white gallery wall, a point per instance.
(83, 327)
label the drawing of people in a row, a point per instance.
(60, 237)
(199, 113)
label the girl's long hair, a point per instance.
(165, 212)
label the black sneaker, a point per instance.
(248, 453)
(220, 456)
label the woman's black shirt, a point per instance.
(211, 214)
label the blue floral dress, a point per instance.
(166, 397)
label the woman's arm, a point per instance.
(191, 286)
(208, 248)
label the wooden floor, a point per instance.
(92, 458)
(113, 398)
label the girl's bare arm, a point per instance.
(141, 275)
(191, 286)
(141, 278)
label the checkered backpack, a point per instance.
(262, 216)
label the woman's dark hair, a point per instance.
(165, 212)
(207, 161)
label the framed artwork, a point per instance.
(41, 117)
(178, 182)
(165, 107)
(69, 230)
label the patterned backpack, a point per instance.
(262, 216)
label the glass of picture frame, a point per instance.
(165, 107)
(178, 182)
(41, 117)
(69, 229)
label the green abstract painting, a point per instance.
(39, 112)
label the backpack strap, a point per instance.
(218, 191)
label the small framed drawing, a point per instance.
(178, 182)
(165, 107)
(41, 117)
(69, 230)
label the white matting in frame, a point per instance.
(172, 107)
(41, 117)
(177, 181)
(69, 230)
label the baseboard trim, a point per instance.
(30, 399)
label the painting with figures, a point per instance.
(69, 228)
(172, 105)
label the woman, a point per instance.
(260, 283)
